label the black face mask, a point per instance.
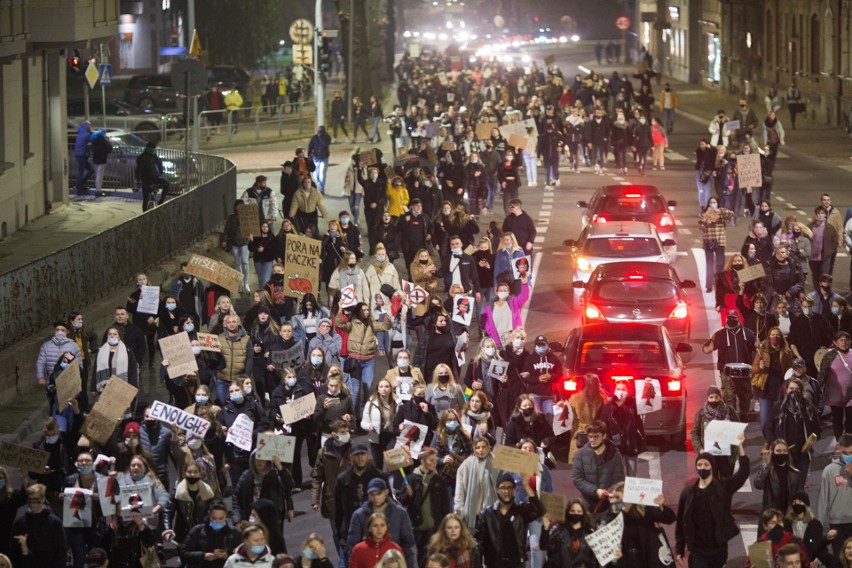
(732, 323)
(424, 262)
(418, 399)
(704, 473)
(776, 534)
(715, 404)
(798, 508)
(779, 460)
(737, 266)
(574, 518)
(527, 412)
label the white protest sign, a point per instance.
(748, 170)
(240, 432)
(149, 300)
(497, 368)
(348, 297)
(412, 436)
(649, 395)
(606, 540)
(301, 408)
(184, 420)
(77, 508)
(563, 417)
(720, 435)
(137, 499)
(641, 491)
(269, 445)
(463, 309)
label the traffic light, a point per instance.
(325, 55)
(75, 63)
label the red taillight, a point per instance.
(674, 385)
(622, 378)
(592, 312)
(569, 385)
(636, 195)
(666, 220)
(599, 219)
(680, 311)
(635, 277)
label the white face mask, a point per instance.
(517, 343)
(194, 443)
(290, 381)
(112, 341)
(502, 294)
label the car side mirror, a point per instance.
(687, 284)
(683, 348)
(583, 204)
(571, 243)
(555, 346)
(671, 204)
(669, 243)
(579, 284)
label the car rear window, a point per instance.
(601, 354)
(615, 247)
(636, 290)
(650, 205)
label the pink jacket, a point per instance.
(515, 304)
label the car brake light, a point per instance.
(584, 265)
(635, 277)
(666, 220)
(599, 219)
(633, 195)
(569, 385)
(674, 385)
(622, 378)
(592, 312)
(680, 311)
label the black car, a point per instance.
(641, 355)
(228, 77)
(630, 203)
(646, 292)
(150, 92)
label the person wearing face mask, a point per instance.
(840, 317)
(777, 477)
(801, 522)
(625, 426)
(519, 223)
(735, 345)
(404, 376)
(823, 297)
(509, 180)
(114, 359)
(526, 422)
(709, 499)
(747, 119)
(509, 250)
(809, 332)
(598, 131)
(418, 410)
(379, 273)
(415, 233)
(796, 419)
(834, 505)
(758, 318)
(384, 232)
(190, 503)
(565, 542)
(80, 539)
(348, 273)
(785, 277)
(475, 184)
(503, 314)
(542, 369)
(397, 196)
(55, 470)
(332, 460)
(87, 343)
(332, 251)
(209, 542)
(375, 197)
(836, 378)
(823, 245)
(253, 551)
(714, 408)
(52, 349)
(502, 389)
(11, 499)
(156, 439)
(291, 388)
(712, 222)
(146, 323)
(37, 535)
(313, 554)
(327, 341)
(771, 361)
(771, 529)
(269, 481)
(238, 404)
(351, 234)
(621, 140)
(642, 140)
(761, 239)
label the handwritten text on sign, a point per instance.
(23, 457)
(269, 445)
(606, 540)
(183, 420)
(515, 460)
(214, 271)
(642, 491)
(240, 433)
(301, 408)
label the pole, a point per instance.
(194, 133)
(319, 80)
(350, 83)
(102, 61)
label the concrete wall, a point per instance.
(76, 277)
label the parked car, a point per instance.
(228, 77)
(150, 92)
(123, 116)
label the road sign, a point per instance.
(189, 73)
(330, 33)
(303, 55)
(623, 23)
(92, 74)
(106, 74)
(301, 31)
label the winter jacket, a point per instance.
(437, 491)
(489, 533)
(50, 352)
(156, 438)
(237, 355)
(559, 542)
(101, 147)
(397, 199)
(503, 265)
(719, 497)
(240, 559)
(319, 146)
(332, 460)
(354, 276)
(362, 342)
(399, 526)
(298, 321)
(540, 430)
(264, 201)
(376, 279)
(203, 539)
(523, 227)
(45, 540)
(367, 553)
(275, 485)
(187, 510)
(592, 471)
(768, 479)
(350, 493)
(308, 202)
(624, 427)
(323, 416)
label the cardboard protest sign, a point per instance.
(270, 445)
(649, 395)
(178, 350)
(554, 505)
(448, 146)
(550, 60)
(390, 173)
(108, 494)
(496, 369)
(105, 415)
(301, 408)
(68, 385)
(137, 499)
(563, 417)
(23, 457)
(753, 272)
(249, 215)
(483, 130)
(241, 432)
(463, 309)
(209, 342)
(512, 459)
(606, 540)
(77, 507)
(214, 271)
(149, 300)
(412, 436)
(760, 554)
(397, 458)
(348, 297)
(642, 491)
(180, 418)
(521, 267)
(368, 157)
(293, 357)
(521, 128)
(432, 129)
(720, 435)
(99, 428)
(301, 266)
(516, 141)
(748, 170)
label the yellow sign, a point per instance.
(195, 47)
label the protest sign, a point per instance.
(249, 215)
(526, 128)
(448, 146)
(732, 125)
(98, 427)
(496, 369)
(149, 300)
(270, 445)
(368, 157)
(720, 435)
(760, 554)
(412, 435)
(483, 130)
(753, 272)
(178, 351)
(515, 460)
(606, 540)
(214, 271)
(463, 309)
(240, 433)
(23, 457)
(397, 458)
(77, 508)
(209, 342)
(137, 499)
(748, 170)
(301, 266)
(293, 357)
(68, 385)
(108, 494)
(563, 417)
(390, 173)
(649, 396)
(554, 505)
(180, 418)
(348, 297)
(641, 491)
(432, 129)
(521, 267)
(517, 142)
(418, 295)
(301, 408)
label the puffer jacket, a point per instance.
(308, 202)
(592, 471)
(235, 356)
(50, 352)
(362, 342)
(436, 490)
(330, 345)
(203, 539)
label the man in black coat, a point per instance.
(289, 186)
(415, 231)
(132, 336)
(350, 234)
(506, 516)
(459, 267)
(338, 115)
(209, 544)
(519, 223)
(375, 197)
(597, 137)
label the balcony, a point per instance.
(55, 23)
(13, 28)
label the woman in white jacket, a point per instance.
(381, 271)
(377, 419)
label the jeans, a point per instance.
(819, 267)
(631, 463)
(79, 541)
(704, 189)
(551, 171)
(264, 272)
(709, 558)
(668, 118)
(241, 257)
(598, 154)
(620, 156)
(84, 172)
(321, 171)
(222, 391)
(375, 135)
(353, 383)
(491, 184)
(544, 405)
(532, 170)
(714, 258)
(765, 414)
(340, 545)
(355, 206)
(536, 554)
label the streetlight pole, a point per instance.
(319, 81)
(192, 102)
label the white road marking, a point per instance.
(654, 468)
(625, 183)
(678, 222)
(779, 198)
(559, 253)
(675, 157)
(684, 231)
(539, 239)
(782, 155)
(536, 265)
(617, 178)
(682, 253)
(547, 206)
(748, 533)
(709, 302)
(800, 212)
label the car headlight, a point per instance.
(583, 264)
(169, 166)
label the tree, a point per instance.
(239, 32)
(372, 45)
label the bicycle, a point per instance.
(153, 193)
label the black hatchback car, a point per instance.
(640, 355)
(153, 92)
(642, 292)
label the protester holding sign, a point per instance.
(597, 466)
(263, 480)
(114, 359)
(625, 426)
(290, 389)
(565, 542)
(238, 404)
(714, 408)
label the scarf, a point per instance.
(718, 413)
(351, 276)
(119, 364)
(480, 489)
(379, 266)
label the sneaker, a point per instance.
(663, 168)
(557, 183)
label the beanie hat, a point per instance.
(131, 428)
(704, 456)
(713, 390)
(505, 477)
(801, 496)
